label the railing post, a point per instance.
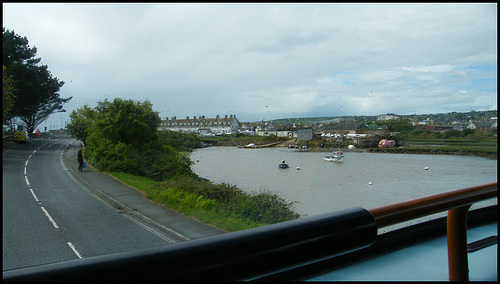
(456, 227)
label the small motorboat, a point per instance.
(283, 165)
(337, 156)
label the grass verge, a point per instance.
(220, 205)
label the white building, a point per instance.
(202, 125)
(387, 117)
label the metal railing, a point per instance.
(457, 203)
(270, 250)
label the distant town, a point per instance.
(350, 126)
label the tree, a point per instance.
(398, 125)
(122, 136)
(126, 121)
(35, 91)
(8, 96)
(81, 120)
(16, 49)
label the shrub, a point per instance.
(191, 193)
(265, 207)
(181, 200)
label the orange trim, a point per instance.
(457, 202)
(424, 206)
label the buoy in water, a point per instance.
(298, 168)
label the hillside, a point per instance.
(438, 118)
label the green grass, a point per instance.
(220, 205)
(476, 144)
(142, 183)
(464, 150)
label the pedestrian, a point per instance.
(80, 160)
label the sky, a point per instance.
(267, 61)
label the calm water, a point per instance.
(320, 186)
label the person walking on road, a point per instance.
(80, 160)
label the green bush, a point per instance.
(222, 193)
(265, 207)
(190, 193)
(122, 136)
(178, 140)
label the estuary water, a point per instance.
(364, 179)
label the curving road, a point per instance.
(53, 213)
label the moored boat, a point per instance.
(303, 148)
(337, 156)
(249, 146)
(283, 165)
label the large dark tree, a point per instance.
(35, 91)
(8, 97)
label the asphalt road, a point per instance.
(53, 213)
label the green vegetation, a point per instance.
(221, 205)
(240, 140)
(8, 94)
(121, 138)
(180, 141)
(438, 118)
(466, 142)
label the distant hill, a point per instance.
(438, 118)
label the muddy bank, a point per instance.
(433, 151)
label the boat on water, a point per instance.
(253, 146)
(337, 156)
(300, 148)
(248, 146)
(283, 165)
(303, 148)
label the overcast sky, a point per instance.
(268, 61)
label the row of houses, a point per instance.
(202, 125)
(479, 125)
(229, 125)
(219, 125)
(475, 125)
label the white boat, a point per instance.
(337, 156)
(249, 146)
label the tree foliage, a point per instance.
(81, 120)
(8, 95)
(35, 90)
(398, 125)
(178, 140)
(126, 121)
(122, 136)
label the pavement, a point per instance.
(126, 199)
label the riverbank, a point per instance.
(220, 205)
(435, 151)
(469, 149)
